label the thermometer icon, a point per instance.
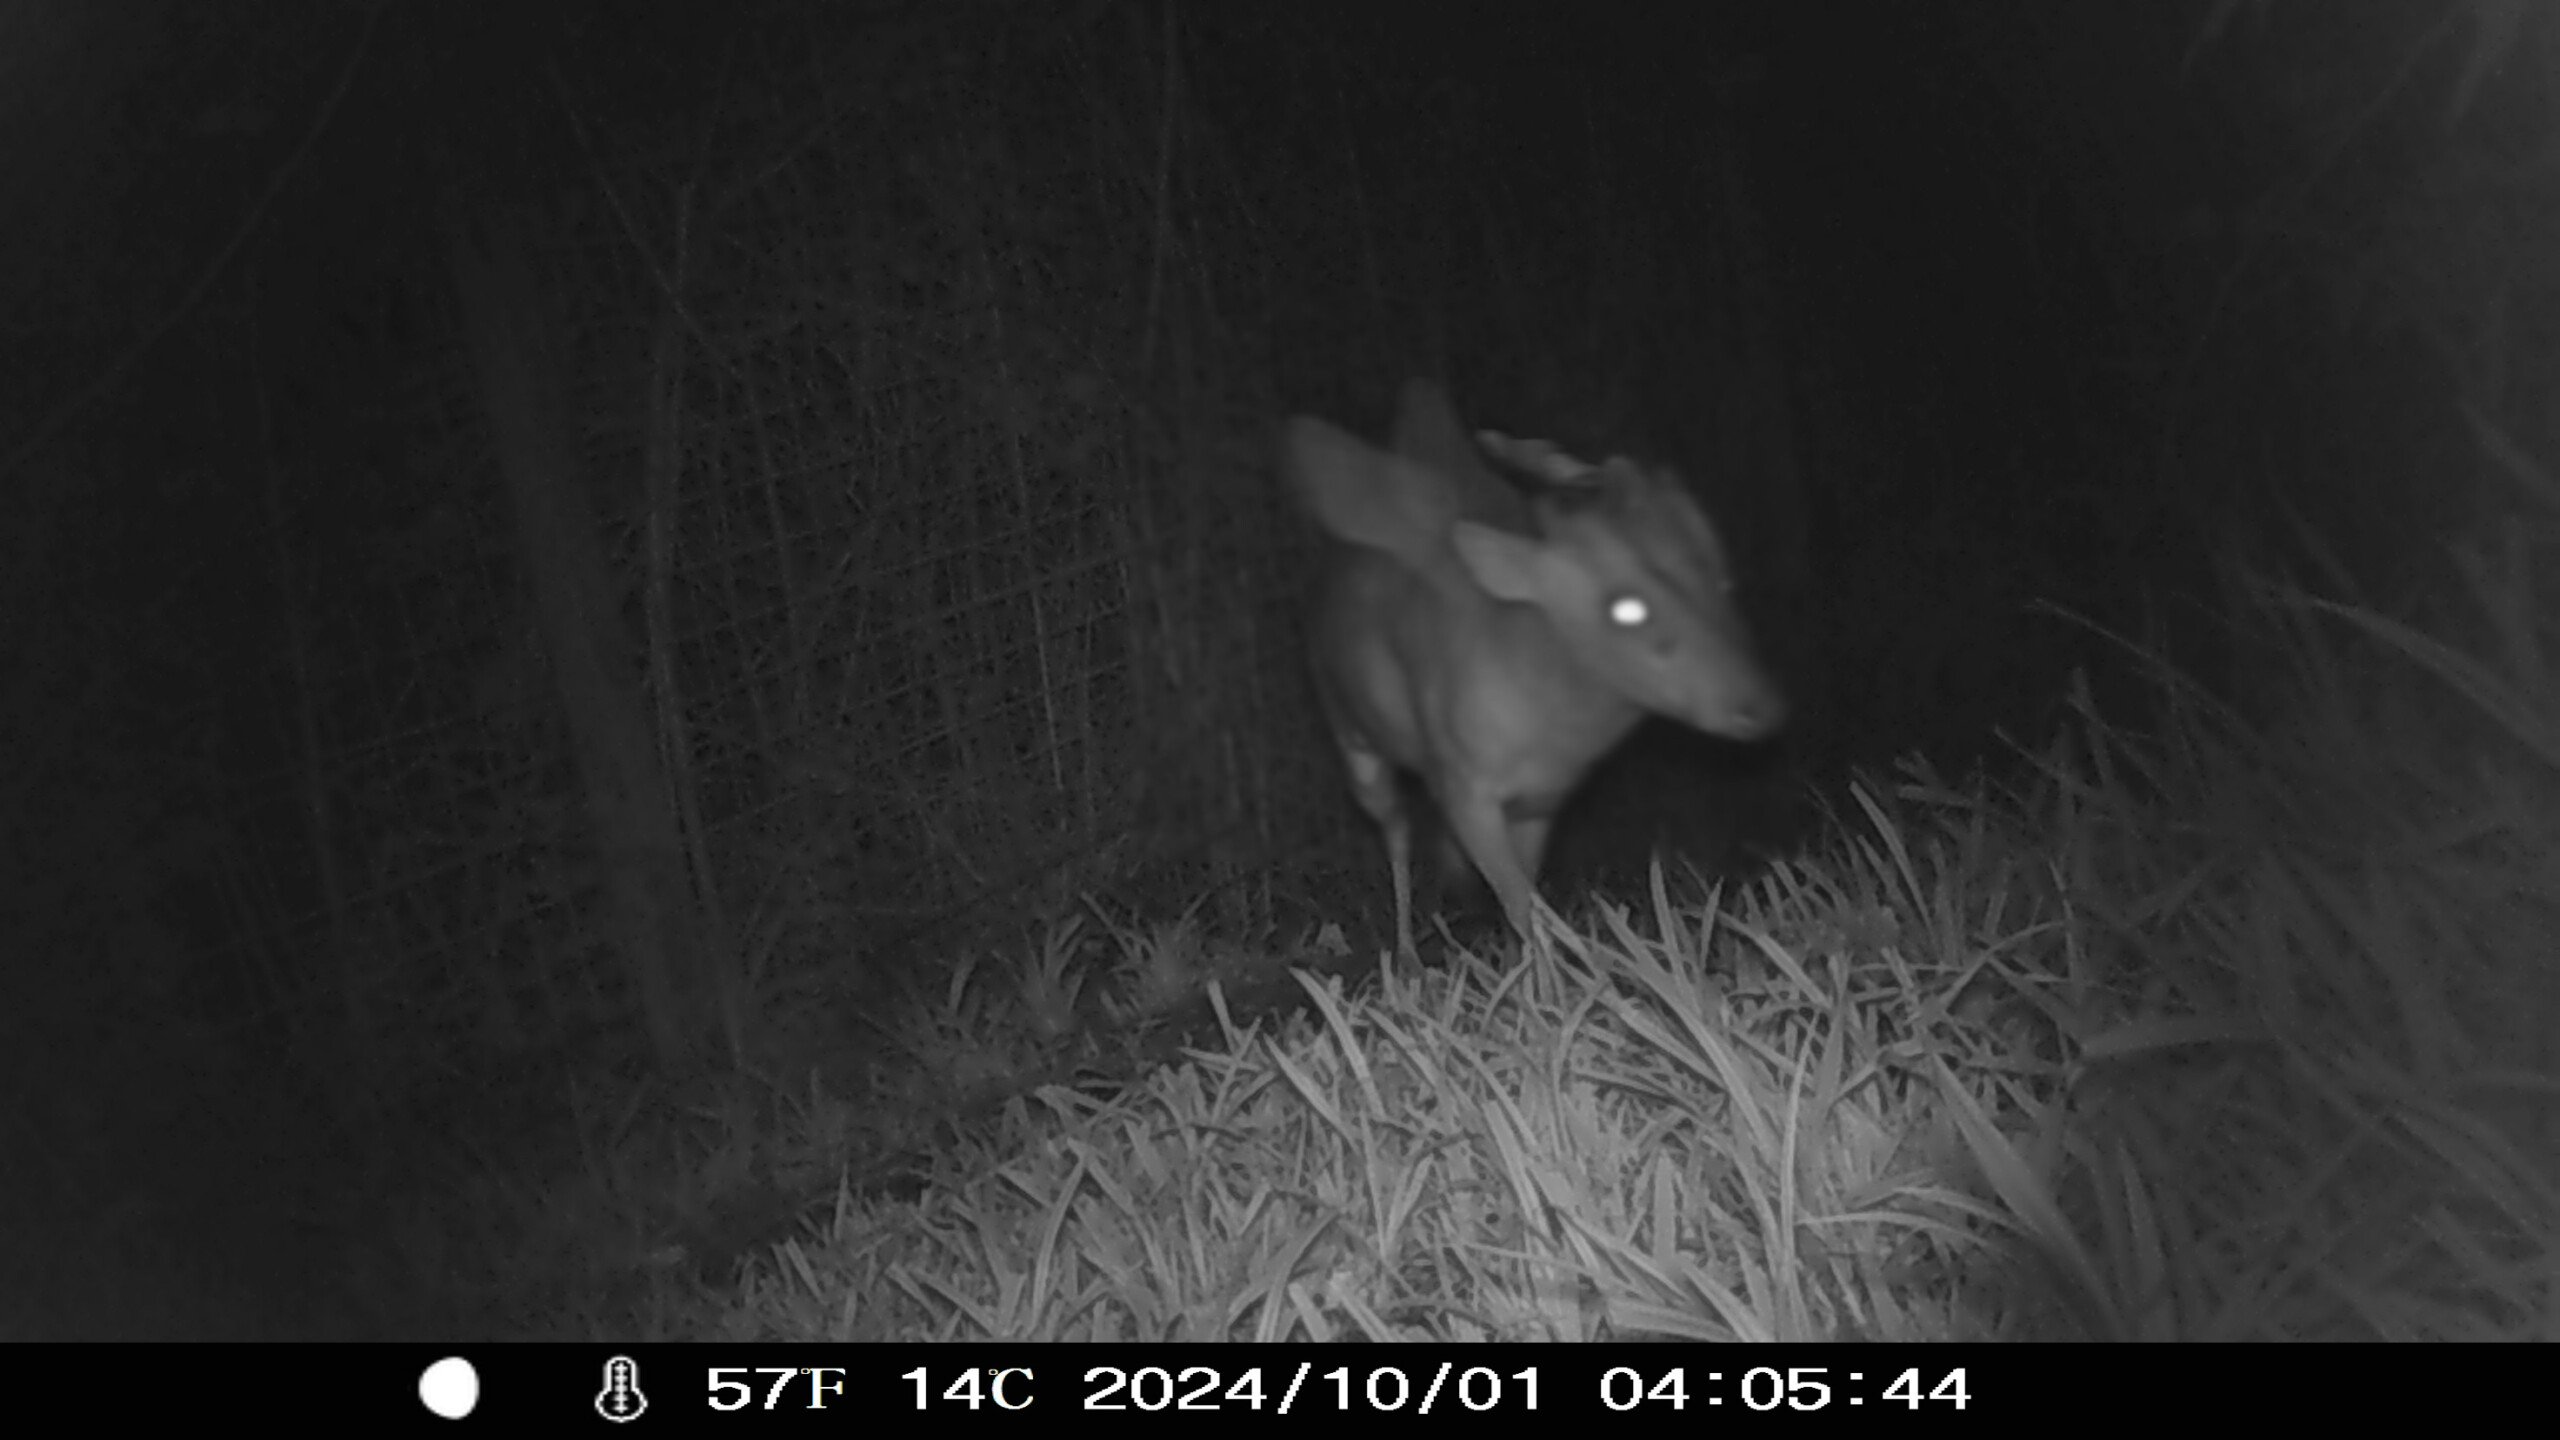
(620, 1399)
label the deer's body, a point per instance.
(1497, 643)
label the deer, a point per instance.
(1497, 637)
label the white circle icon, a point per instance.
(450, 1387)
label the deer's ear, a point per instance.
(1363, 495)
(1506, 566)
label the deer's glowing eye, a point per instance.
(1629, 611)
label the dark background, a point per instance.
(910, 371)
